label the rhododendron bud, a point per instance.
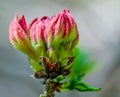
(37, 30)
(19, 37)
(62, 33)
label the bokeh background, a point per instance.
(99, 27)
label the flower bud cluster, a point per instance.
(52, 38)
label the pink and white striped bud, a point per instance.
(61, 34)
(61, 30)
(19, 37)
(37, 30)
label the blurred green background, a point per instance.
(98, 24)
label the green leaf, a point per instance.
(81, 86)
(80, 66)
(35, 66)
(65, 87)
(59, 78)
(42, 95)
(82, 62)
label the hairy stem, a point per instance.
(50, 89)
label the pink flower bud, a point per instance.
(17, 30)
(37, 34)
(19, 37)
(61, 30)
(61, 34)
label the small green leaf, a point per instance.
(81, 86)
(42, 95)
(59, 78)
(65, 86)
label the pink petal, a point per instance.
(22, 23)
(33, 21)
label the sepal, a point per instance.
(35, 66)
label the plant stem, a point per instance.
(50, 88)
